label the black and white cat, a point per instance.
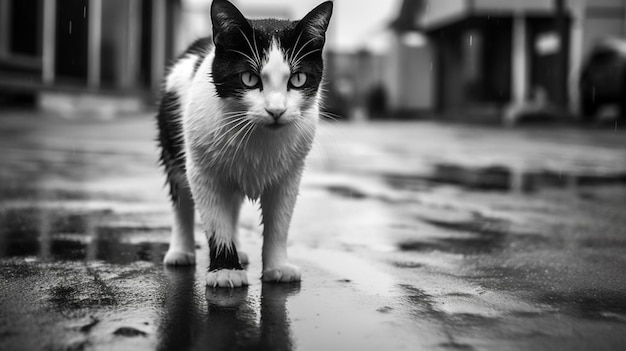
(237, 120)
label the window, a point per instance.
(21, 33)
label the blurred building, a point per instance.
(493, 54)
(79, 52)
(485, 58)
(409, 68)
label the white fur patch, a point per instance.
(275, 95)
(180, 77)
(276, 71)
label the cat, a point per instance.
(237, 119)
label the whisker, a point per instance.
(250, 136)
(230, 121)
(230, 113)
(305, 55)
(300, 129)
(300, 50)
(252, 62)
(234, 115)
(243, 132)
(249, 127)
(331, 116)
(226, 145)
(242, 125)
(231, 125)
(224, 135)
(294, 47)
(256, 49)
(258, 60)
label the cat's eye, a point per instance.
(249, 79)
(297, 80)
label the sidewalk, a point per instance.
(410, 235)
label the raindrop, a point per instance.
(84, 11)
(593, 94)
(471, 40)
(70, 27)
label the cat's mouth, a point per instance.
(275, 125)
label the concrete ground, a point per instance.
(410, 236)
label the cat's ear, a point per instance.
(315, 23)
(229, 24)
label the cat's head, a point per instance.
(271, 69)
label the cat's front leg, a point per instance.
(277, 204)
(218, 206)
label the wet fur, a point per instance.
(221, 141)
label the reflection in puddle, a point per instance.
(609, 305)
(503, 178)
(63, 235)
(182, 319)
(234, 325)
(347, 192)
(234, 319)
(479, 235)
(509, 179)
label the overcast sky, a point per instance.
(355, 23)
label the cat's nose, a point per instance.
(276, 113)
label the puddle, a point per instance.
(502, 178)
(605, 305)
(71, 297)
(486, 178)
(70, 236)
(476, 236)
(352, 193)
(347, 192)
(404, 182)
(456, 346)
(423, 305)
(485, 235)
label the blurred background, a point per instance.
(470, 60)
(425, 221)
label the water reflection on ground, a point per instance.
(410, 236)
(238, 319)
(56, 234)
(508, 179)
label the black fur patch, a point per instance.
(169, 121)
(222, 257)
(171, 142)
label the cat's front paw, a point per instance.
(285, 273)
(179, 258)
(227, 278)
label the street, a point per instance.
(410, 236)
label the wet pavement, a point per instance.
(410, 236)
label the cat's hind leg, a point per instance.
(172, 158)
(182, 243)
